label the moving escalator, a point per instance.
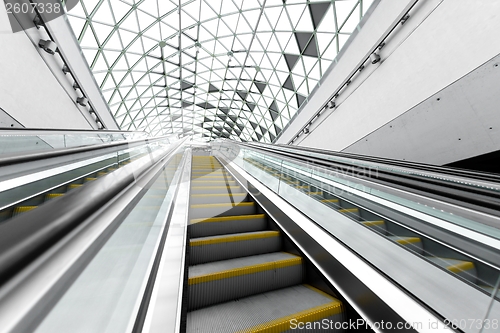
(456, 262)
(241, 277)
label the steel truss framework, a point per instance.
(236, 69)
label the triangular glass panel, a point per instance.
(300, 99)
(303, 39)
(291, 60)
(318, 11)
(289, 83)
(311, 49)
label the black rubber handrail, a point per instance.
(34, 156)
(397, 163)
(481, 199)
(25, 237)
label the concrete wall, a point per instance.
(33, 89)
(448, 49)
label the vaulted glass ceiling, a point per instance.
(238, 69)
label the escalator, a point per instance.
(241, 278)
(207, 239)
(469, 269)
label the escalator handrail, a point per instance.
(26, 236)
(29, 157)
(486, 176)
(455, 191)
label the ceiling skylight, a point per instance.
(215, 68)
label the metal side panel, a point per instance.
(165, 306)
(375, 297)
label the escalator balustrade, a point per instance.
(446, 258)
(42, 198)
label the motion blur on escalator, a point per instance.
(240, 277)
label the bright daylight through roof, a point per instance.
(236, 69)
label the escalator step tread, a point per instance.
(227, 225)
(465, 269)
(228, 218)
(373, 223)
(22, 209)
(228, 246)
(268, 312)
(205, 206)
(53, 195)
(208, 195)
(71, 186)
(244, 265)
(215, 188)
(453, 265)
(405, 240)
(233, 237)
(241, 279)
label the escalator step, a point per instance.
(222, 209)
(229, 246)
(330, 200)
(412, 243)
(72, 186)
(377, 225)
(464, 269)
(214, 183)
(53, 195)
(215, 189)
(209, 177)
(227, 225)
(226, 280)
(22, 209)
(101, 173)
(274, 311)
(89, 179)
(218, 198)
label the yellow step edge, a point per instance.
(89, 179)
(245, 270)
(214, 187)
(315, 193)
(283, 324)
(373, 223)
(348, 210)
(227, 218)
(208, 172)
(241, 204)
(460, 267)
(53, 195)
(22, 209)
(218, 195)
(211, 181)
(102, 173)
(212, 167)
(330, 200)
(234, 238)
(409, 240)
(71, 186)
(209, 175)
